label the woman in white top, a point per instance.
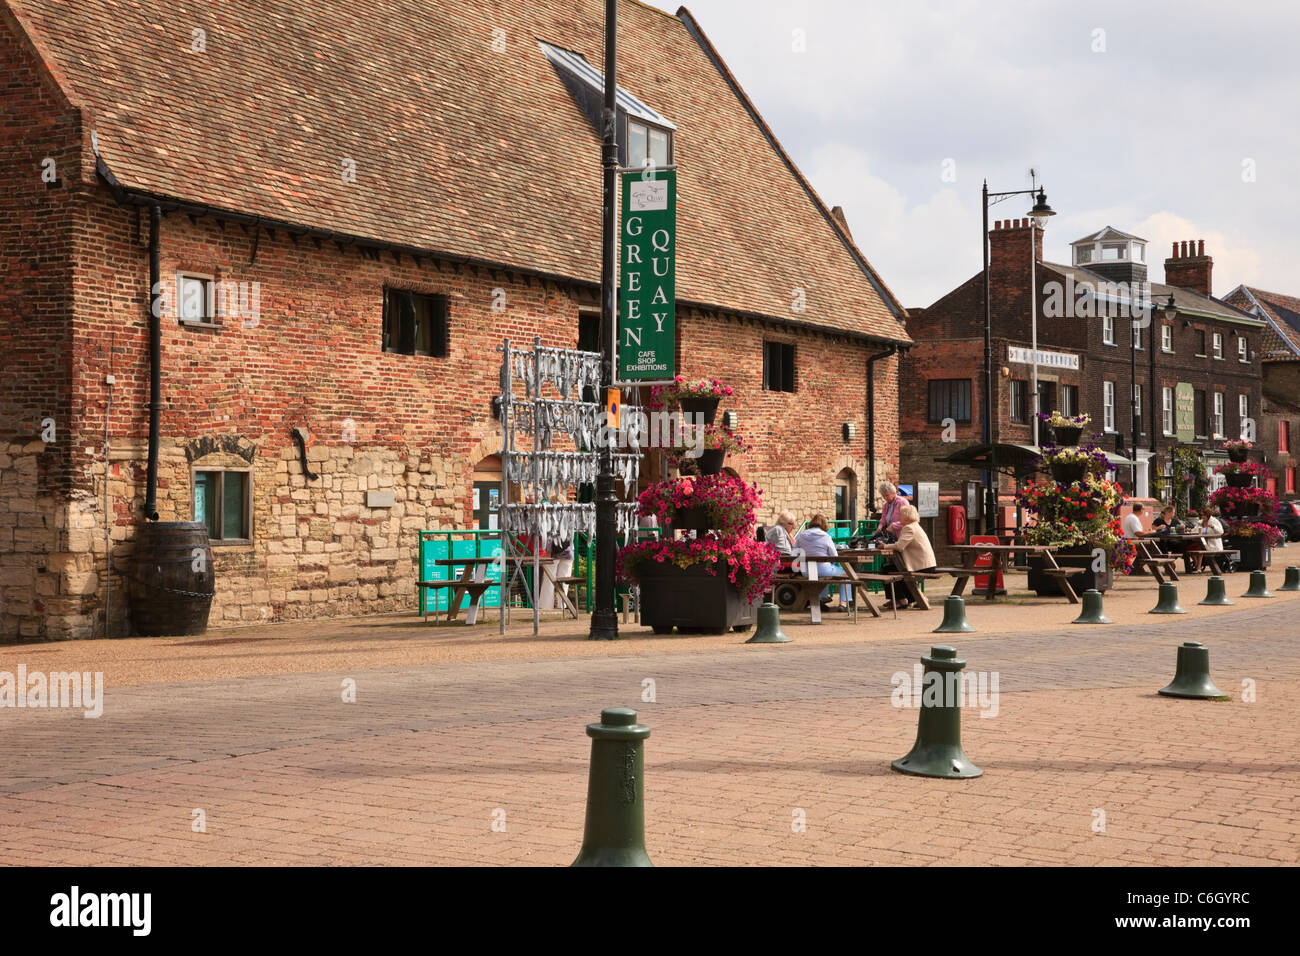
(1211, 524)
(816, 542)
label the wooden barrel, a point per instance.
(172, 579)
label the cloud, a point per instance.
(1147, 133)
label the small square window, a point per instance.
(646, 142)
(1083, 255)
(415, 323)
(221, 501)
(778, 367)
(194, 299)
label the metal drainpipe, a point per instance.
(155, 361)
(871, 422)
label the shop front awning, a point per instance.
(1018, 458)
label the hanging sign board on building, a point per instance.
(1024, 356)
(1185, 412)
(927, 499)
(647, 318)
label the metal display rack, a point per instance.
(551, 405)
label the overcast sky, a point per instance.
(1151, 126)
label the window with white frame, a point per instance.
(1243, 410)
(1218, 345)
(1167, 338)
(1139, 252)
(1136, 336)
(1167, 394)
(1243, 350)
(1108, 405)
(195, 302)
(1108, 329)
(1218, 414)
(1137, 402)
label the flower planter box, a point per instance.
(1044, 584)
(1238, 455)
(1239, 480)
(692, 600)
(1256, 554)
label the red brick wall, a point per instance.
(314, 359)
(36, 269)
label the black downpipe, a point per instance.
(155, 362)
(871, 422)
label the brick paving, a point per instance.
(412, 773)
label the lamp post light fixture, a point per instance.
(1038, 214)
(1167, 312)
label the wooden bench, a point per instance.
(475, 590)
(1063, 576)
(908, 579)
(1217, 560)
(1148, 555)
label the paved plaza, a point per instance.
(461, 748)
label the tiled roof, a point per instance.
(1283, 315)
(458, 149)
(1109, 232)
(1185, 299)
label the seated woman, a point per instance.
(816, 542)
(914, 545)
(780, 535)
(1211, 525)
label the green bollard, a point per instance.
(1258, 586)
(1168, 603)
(769, 626)
(1216, 593)
(1292, 582)
(614, 834)
(954, 617)
(1092, 612)
(937, 751)
(1192, 675)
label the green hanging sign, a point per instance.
(647, 317)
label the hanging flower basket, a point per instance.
(1237, 450)
(1067, 434)
(700, 405)
(1239, 479)
(712, 460)
(1068, 472)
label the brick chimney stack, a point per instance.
(1009, 246)
(1188, 267)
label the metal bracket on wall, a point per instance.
(300, 436)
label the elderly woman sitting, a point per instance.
(780, 535)
(914, 545)
(816, 542)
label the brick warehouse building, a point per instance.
(382, 195)
(1199, 379)
(1279, 422)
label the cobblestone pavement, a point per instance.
(745, 742)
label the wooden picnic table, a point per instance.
(1216, 560)
(473, 581)
(909, 580)
(1001, 555)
